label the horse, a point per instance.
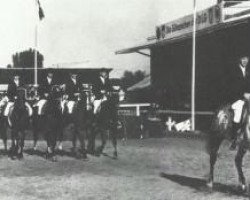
(81, 118)
(50, 122)
(106, 120)
(3, 123)
(222, 129)
(18, 121)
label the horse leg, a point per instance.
(91, 140)
(60, 138)
(12, 150)
(81, 137)
(50, 154)
(238, 163)
(4, 133)
(104, 141)
(20, 144)
(214, 145)
(113, 132)
(35, 133)
(74, 140)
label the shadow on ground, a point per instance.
(199, 185)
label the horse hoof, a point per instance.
(54, 159)
(20, 156)
(84, 157)
(242, 187)
(60, 148)
(210, 184)
(115, 155)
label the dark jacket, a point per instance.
(238, 84)
(45, 87)
(12, 90)
(72, 88)
(99, 86)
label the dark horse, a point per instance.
(18, 121)
(50, 122)
(106, 120)
(81, 119)
(222, 129)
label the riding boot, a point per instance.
(234, 135)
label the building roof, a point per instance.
(229, 19)
(145, 83)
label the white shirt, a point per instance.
(102, 79)
(243, 69)
(49, 80)
(17, 82)
(74, 80)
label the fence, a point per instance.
(144, 120)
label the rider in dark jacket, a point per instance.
(239, 90)
(46, 85)
(73, 86)
(13, 87)
(102, 84)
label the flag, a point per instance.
(40, 11)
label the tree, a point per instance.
(25, 59)
(130, 78)
(9, 66)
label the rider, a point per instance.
(101, 86)
(240, 90)
(12, 90)
(44, 90)
(72, 89)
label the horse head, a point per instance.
(223, 119)
(19, 114)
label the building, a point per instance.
(222, 34)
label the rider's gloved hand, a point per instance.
(46, 94)
(247, 96)
(15, 97)
(65, 97)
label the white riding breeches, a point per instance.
(97, 104)
(11, 104)
(237, 108)
(70, 105)
(7, 109)
(40, 104)
(3, 102)
(30, 110)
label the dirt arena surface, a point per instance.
(148, 169)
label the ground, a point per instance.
(147, 169)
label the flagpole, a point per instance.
(35, 55)
(41, 16)
(193, 68)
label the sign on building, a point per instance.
(204, 19)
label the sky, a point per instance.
(87, 31)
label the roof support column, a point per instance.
(193, 69)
